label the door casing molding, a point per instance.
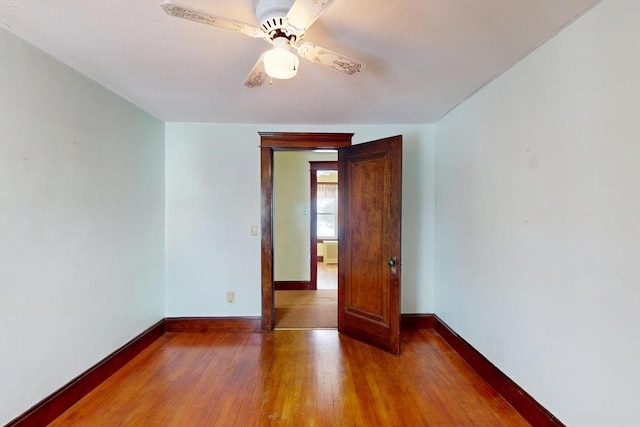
(282, 141)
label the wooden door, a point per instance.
(369, 215)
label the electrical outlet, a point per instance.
(231, 297)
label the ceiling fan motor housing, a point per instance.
(271, 15)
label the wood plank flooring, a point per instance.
(327, 277)
(293, 378)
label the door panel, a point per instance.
(369, 215)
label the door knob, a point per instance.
(393, 265)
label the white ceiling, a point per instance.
(423, 57)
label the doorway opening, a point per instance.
(305, 232)
(323, 191)
(271, 142)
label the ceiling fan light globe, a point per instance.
(280, 63)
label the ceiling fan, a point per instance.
(283, 23)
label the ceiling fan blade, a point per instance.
(303, 13)
(217, 21)
(257, 75)
(330, 59)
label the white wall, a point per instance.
(538, 220)
(213, 197)
(81, 220)
(291, 226)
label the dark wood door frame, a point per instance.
(314, 167)
(282, 141)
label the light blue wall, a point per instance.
(538, 220)
(81, 221)
(213, 198)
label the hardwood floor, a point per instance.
(327, 276)
(292, 378)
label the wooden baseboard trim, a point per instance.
(213, 324)
(417, 321)
(55, 404)
(523, 402)
(292, 285)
